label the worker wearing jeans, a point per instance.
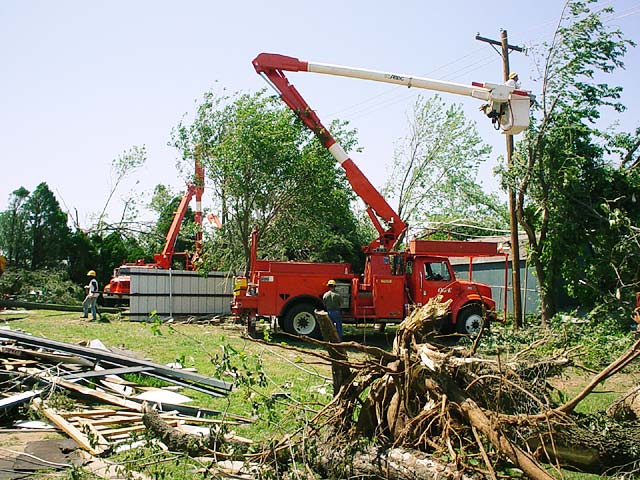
(332, 302)
(92, 296)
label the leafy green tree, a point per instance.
(13, 229)
(434, 173)
(112, 251)
(47, 230)
(82, 255)
(268, 170)
(122, 167)
(566, 193)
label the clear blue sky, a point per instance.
(82, 81)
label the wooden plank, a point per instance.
(116, 420)
(105, 397)
(104, 373)
(196, 412)
(168, 417)
(68, 428)
(97, 439)
(19, 363)
(90, 413)
(135, 428)
(208, 421)
(20, 352)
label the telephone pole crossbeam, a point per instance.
(499, 43)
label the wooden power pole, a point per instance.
(505, 48)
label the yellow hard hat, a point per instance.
(91, 273)
(331, 283)
(513, 75)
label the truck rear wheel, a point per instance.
(470, 320)
(300, 320)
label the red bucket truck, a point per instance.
(392, 280)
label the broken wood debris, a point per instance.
(59, 365)
(444, 401)
(116, 360)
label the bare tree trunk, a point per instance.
(547, 305)
(337, 460)
(340, 373)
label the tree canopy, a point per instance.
(434, 177)
(269, 171)
(576, 206)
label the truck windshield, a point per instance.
(436, 271)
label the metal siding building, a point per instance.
(179, 292)
(491, 271)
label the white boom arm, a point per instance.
(507, 107)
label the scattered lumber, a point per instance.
(97, 446)
(116, 360)
(31, 368)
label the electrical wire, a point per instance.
(485, 61)
(440, 225)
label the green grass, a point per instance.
(283, 389)
(265, 374)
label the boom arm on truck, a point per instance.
(119, 287)
(272, 66)
(195, 188)
(392, 280)
(506, 107)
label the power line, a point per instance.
(363, 108)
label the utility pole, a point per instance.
(505, 48)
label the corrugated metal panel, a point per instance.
(179, 292)
(492, 274)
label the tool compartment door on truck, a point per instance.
(267, 295)
(388, 294)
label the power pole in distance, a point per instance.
(513, 219)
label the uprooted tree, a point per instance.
(477, 413)
(426, 411)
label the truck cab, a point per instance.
(471, 302)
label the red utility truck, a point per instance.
(392, 280)
(118, 290)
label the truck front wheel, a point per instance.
(470, 320)
(300, 320)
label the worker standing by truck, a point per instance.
(92, 296)
(332, 302)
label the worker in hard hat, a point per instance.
(92, 296)
(332, 303)
(513, 81)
